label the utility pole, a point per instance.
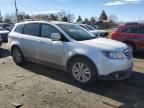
(139, 19)
(0, 17)
(16, 10)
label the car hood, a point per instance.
(105, 44)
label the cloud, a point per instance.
(114, 3)
(122, 2)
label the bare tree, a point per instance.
(113, 18)
(8, 18)
(61, 14)
(70, 17)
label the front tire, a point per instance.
(83, 71)
(17, 56)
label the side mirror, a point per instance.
(55, 36)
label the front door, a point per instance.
(50, 51)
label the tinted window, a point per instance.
(32, 29)
(2, 29)
(131, 30)
(89, 27)
(141, 29)
(47, 30)
(19, 29)
(84, 27)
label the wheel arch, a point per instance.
(15, 45)
(80, 55)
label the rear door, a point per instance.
(129, 33)
(140, 38)
(30, 40)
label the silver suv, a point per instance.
(71, 48)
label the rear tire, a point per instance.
(83, 71)
(17, 56)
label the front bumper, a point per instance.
(119, 75)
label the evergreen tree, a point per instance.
(86, 21)
(103, 16)
(53, 17)
(92, 20)
(79, 19)
(65, 19)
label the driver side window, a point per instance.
(47, 30)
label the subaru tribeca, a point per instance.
(71, 48)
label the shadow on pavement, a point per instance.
(139, 55)
(130, 92)
(4, 53)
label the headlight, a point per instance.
(113, 54)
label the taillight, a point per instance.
(114, 35)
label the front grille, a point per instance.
(128, 53)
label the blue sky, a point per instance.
(125, 10)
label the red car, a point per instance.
(131, 34)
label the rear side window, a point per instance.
(133, 29)
(19, 29)
(84, 27)
(47, 30)
(141, 29)
(32, 29)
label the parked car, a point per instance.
(9, 28)
(4, 25)
(0, 41)
(4, 34)
(131, 34)
(96, 32)
(69, 47)
(99, 27)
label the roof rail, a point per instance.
(132, 23)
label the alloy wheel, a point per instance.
(81, 72)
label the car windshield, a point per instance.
(76, 32)
(89, 27)
(2, 29)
